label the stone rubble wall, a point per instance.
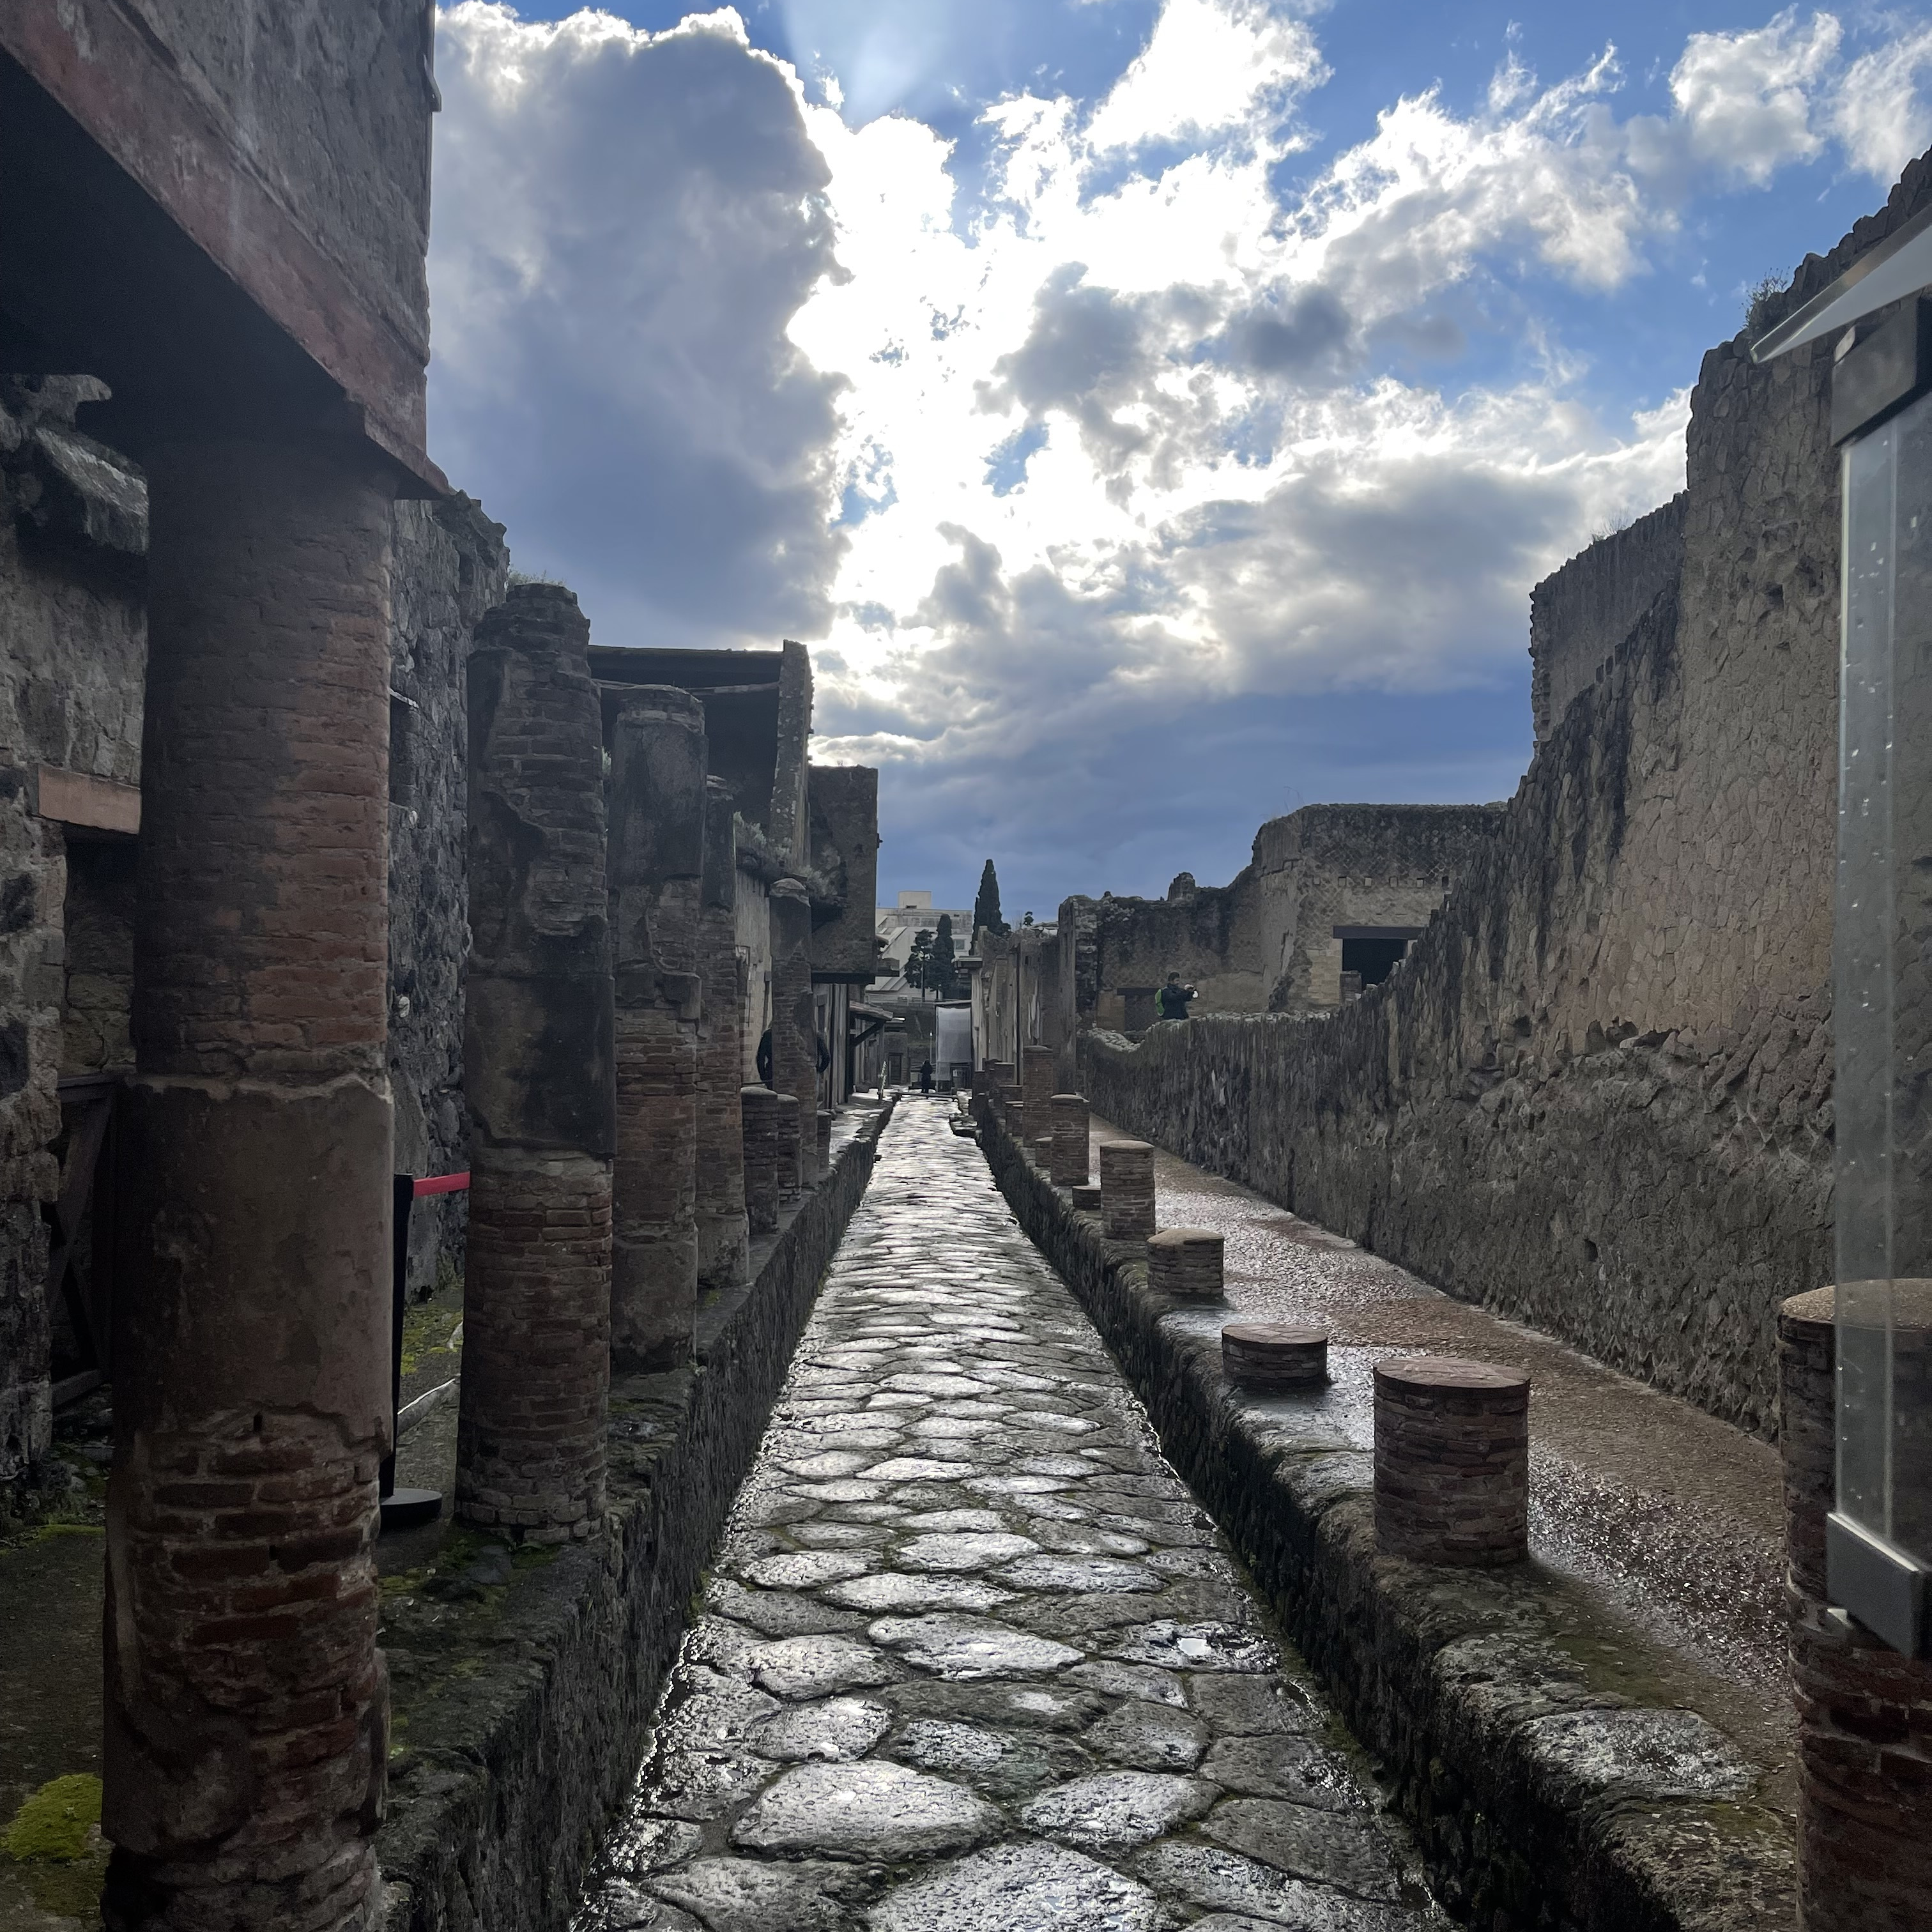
(1538, 1795)
(1597, 1095)
(519, 1760)
(72, 658)
(450, 567)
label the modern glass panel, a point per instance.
(1882, 1014)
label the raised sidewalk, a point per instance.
(1599, 1738)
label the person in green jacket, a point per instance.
(1173, 997)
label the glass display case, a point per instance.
(1879, 1538)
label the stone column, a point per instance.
(724, 1237)
(1070, 1151)
(657, 805)
(1452, 1461)
(794, 1036)
(1864, 1712)
(246, 1720)
(537, 1064)
(1037, 1081)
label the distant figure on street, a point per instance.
(1173, 998)
(925, 1077)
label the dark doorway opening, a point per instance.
(1374, 951)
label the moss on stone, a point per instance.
(54, 1821)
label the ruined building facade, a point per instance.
(1597, 1095)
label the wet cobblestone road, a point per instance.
(971, 1658)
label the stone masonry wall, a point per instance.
(450, 567)
(1580, 614)
(1597, 1096)
(73, 652)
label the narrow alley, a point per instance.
(971, 1656)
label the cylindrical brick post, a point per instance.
(1271, 1357)
(1126, 1189)
(1038, 1079)
(1186, 1263)
(1042, 1152)
(794, 1027)
(537, 1072)
(793, 1168)
(1452, 1461)
(1008, 1108)
(656, 798)
(724, 1235)
(1864, 1711)
(825, 1118)
(759, 1108)
(1070, 1160)
(246, 1720)
(1086, 1198)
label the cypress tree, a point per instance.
(986, 904)
(945, 980)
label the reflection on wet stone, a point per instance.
(972, 1657)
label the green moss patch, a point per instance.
(55, 1839)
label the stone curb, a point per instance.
(1538, 1798)
(521, 1766)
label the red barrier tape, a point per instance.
(442, 1184)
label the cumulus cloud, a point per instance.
(1113, 448)
(625, 223)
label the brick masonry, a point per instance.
(1126, 1189)
(538, 1065)
(1185, 1263)
(519, 1762)
(723, 1234)
(1072, 1157)
(758, 1110)
(246, 1718)
(1452, 1461)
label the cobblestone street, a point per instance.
(971, 1658)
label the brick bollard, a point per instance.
(758, 1106)
(790, 1151)
(1271, 1357)
(1009, 1108)
(794, 1025)
(825, 1118)
(656, 794)
(1186, 1263)
(247, 1714)
(1126, 1189)
(1452, 1461)
(1086, 1198)
(1071, 1162)
(1038, 1079)
(1864, 1711)
(538, 1074)
(1042, 1152)
(723, 1233)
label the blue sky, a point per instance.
(1154, 413)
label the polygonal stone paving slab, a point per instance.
(1203, 1646)
(816, 1667)
(944, 1549)
(1291, 1767)
(967, 1647)
(837, 1728)
(805, 1569)
(1019, 1889)
(1307, 1843)
(1106, 1574)
(890, 1591)
(1115, 1810)
(749, 1895)
(1152, 1737)
(872, 1810)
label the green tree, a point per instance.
(945, 974)
(986, 903)
(918, 960)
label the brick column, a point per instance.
(1038, 1079)
(537, 1063)
(246, 1721)
(723, 1236)
(1452, 1461)
(657, 797)
(759, 1106)
(794, 1049)
(789, 1158)
(1071, 1156)
(1864, 1712)
(1126, 1189)
(1186, 1263)
(1271, 1357)
(824, 1150)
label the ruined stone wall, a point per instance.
(1580, 614)
(451, 566)
(1210, 935)
(1597, 1096)
(73, 652)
